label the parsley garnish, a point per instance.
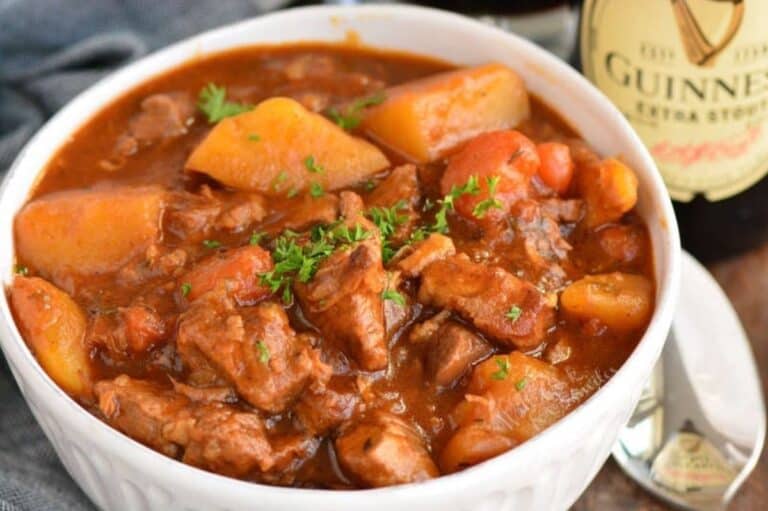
(211, 244)
(316, 190)
(446, 204)
(503, 371)
(521, 383)
(279, 179)
(253, 137)
(20, 269)
(256, 237)
(393, 296)
(482, 207)
(212, 101)
(263, 352)
(369, 185)
(185, 289)
(351, 117)
(299, 261)
(388, 220)
(312, 165)
(293, 192)
(514, 313)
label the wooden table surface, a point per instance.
(745, 280)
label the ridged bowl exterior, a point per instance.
(546, 473)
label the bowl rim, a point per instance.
(649, 346)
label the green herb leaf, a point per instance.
(503, 371)
(293, 192)
(279, 179)
(253, 137)
(513, 314)
(351, 117)
(369, 185)
(211, 244)
(20, 269)
(388, 220)
(212, 101)
(482, 207)
(446, 204)
(185, 289)
(521, 383)
(313, 166)
(316, 190)
(297, 257)
(256, 237)
(393, 296)
(263, 352)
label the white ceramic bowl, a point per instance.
(546, 473)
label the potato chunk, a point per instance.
(609, 190)
(267, 150)
(621, 301)
(423, 119)
(54, 327)
(89, 231)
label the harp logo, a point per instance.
(700, 49)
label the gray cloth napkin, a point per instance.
(49, 51)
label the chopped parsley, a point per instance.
(521, 383)
(263, 352)
(297, 259)
(256, 237)
(446, 204)
(293, 192)
(253, 137)
(211, 244)
(388, 220)
(279, 179)
(393, 296)
(369, 185)
(312, 165)
(20, 269)
(351, 117)
(316, 190)
(212, 101)
(503, 371)
(514, 313)
(482, 207)
(186, 288)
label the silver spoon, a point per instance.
(700, 425)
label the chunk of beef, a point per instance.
(344, 297)
(222, 439)
(424, 253)
(502, 306)
(206, 394)
(236, 270)
(321, 412)
(162, 116)
(402, 184)
(510, 398)
(157, 262)
(308, 211)
(190, 217)
(541, 234)
(455, 350)
(128, 330)
(141, 410)
(241, 211)
(383, 450)
(254, 349)
(563, 210)
(425, 331)
(309, 66)
(216, 437)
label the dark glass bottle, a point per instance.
(690, 75)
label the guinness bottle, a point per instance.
(692, 78)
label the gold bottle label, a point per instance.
(692, 78)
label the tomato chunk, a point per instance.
(508, 158)
(556, 166)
